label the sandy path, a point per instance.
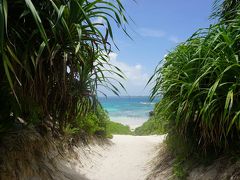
(126, 159)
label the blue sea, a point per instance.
(132, 111)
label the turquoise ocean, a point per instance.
(132, 111)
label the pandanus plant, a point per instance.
(54, 55)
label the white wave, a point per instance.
(147, 103)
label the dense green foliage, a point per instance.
(153, 126)
(200, 82)
(54, 56)
(225, 10)
(94, 123)
(117, 128)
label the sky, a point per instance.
(158, 27)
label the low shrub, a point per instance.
(151, 127)
(117, 128)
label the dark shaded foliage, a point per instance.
(54, 56)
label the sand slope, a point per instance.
(126, 159)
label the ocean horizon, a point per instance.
(128, 110)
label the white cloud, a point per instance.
(136, 78)
(147, 32)
(174, 39)
(99, 20)
(155, 33)
(113, 56)
(138, 66)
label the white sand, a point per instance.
(127, 159)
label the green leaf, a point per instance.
(6, 65)
(37, 21)
(3, 22)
